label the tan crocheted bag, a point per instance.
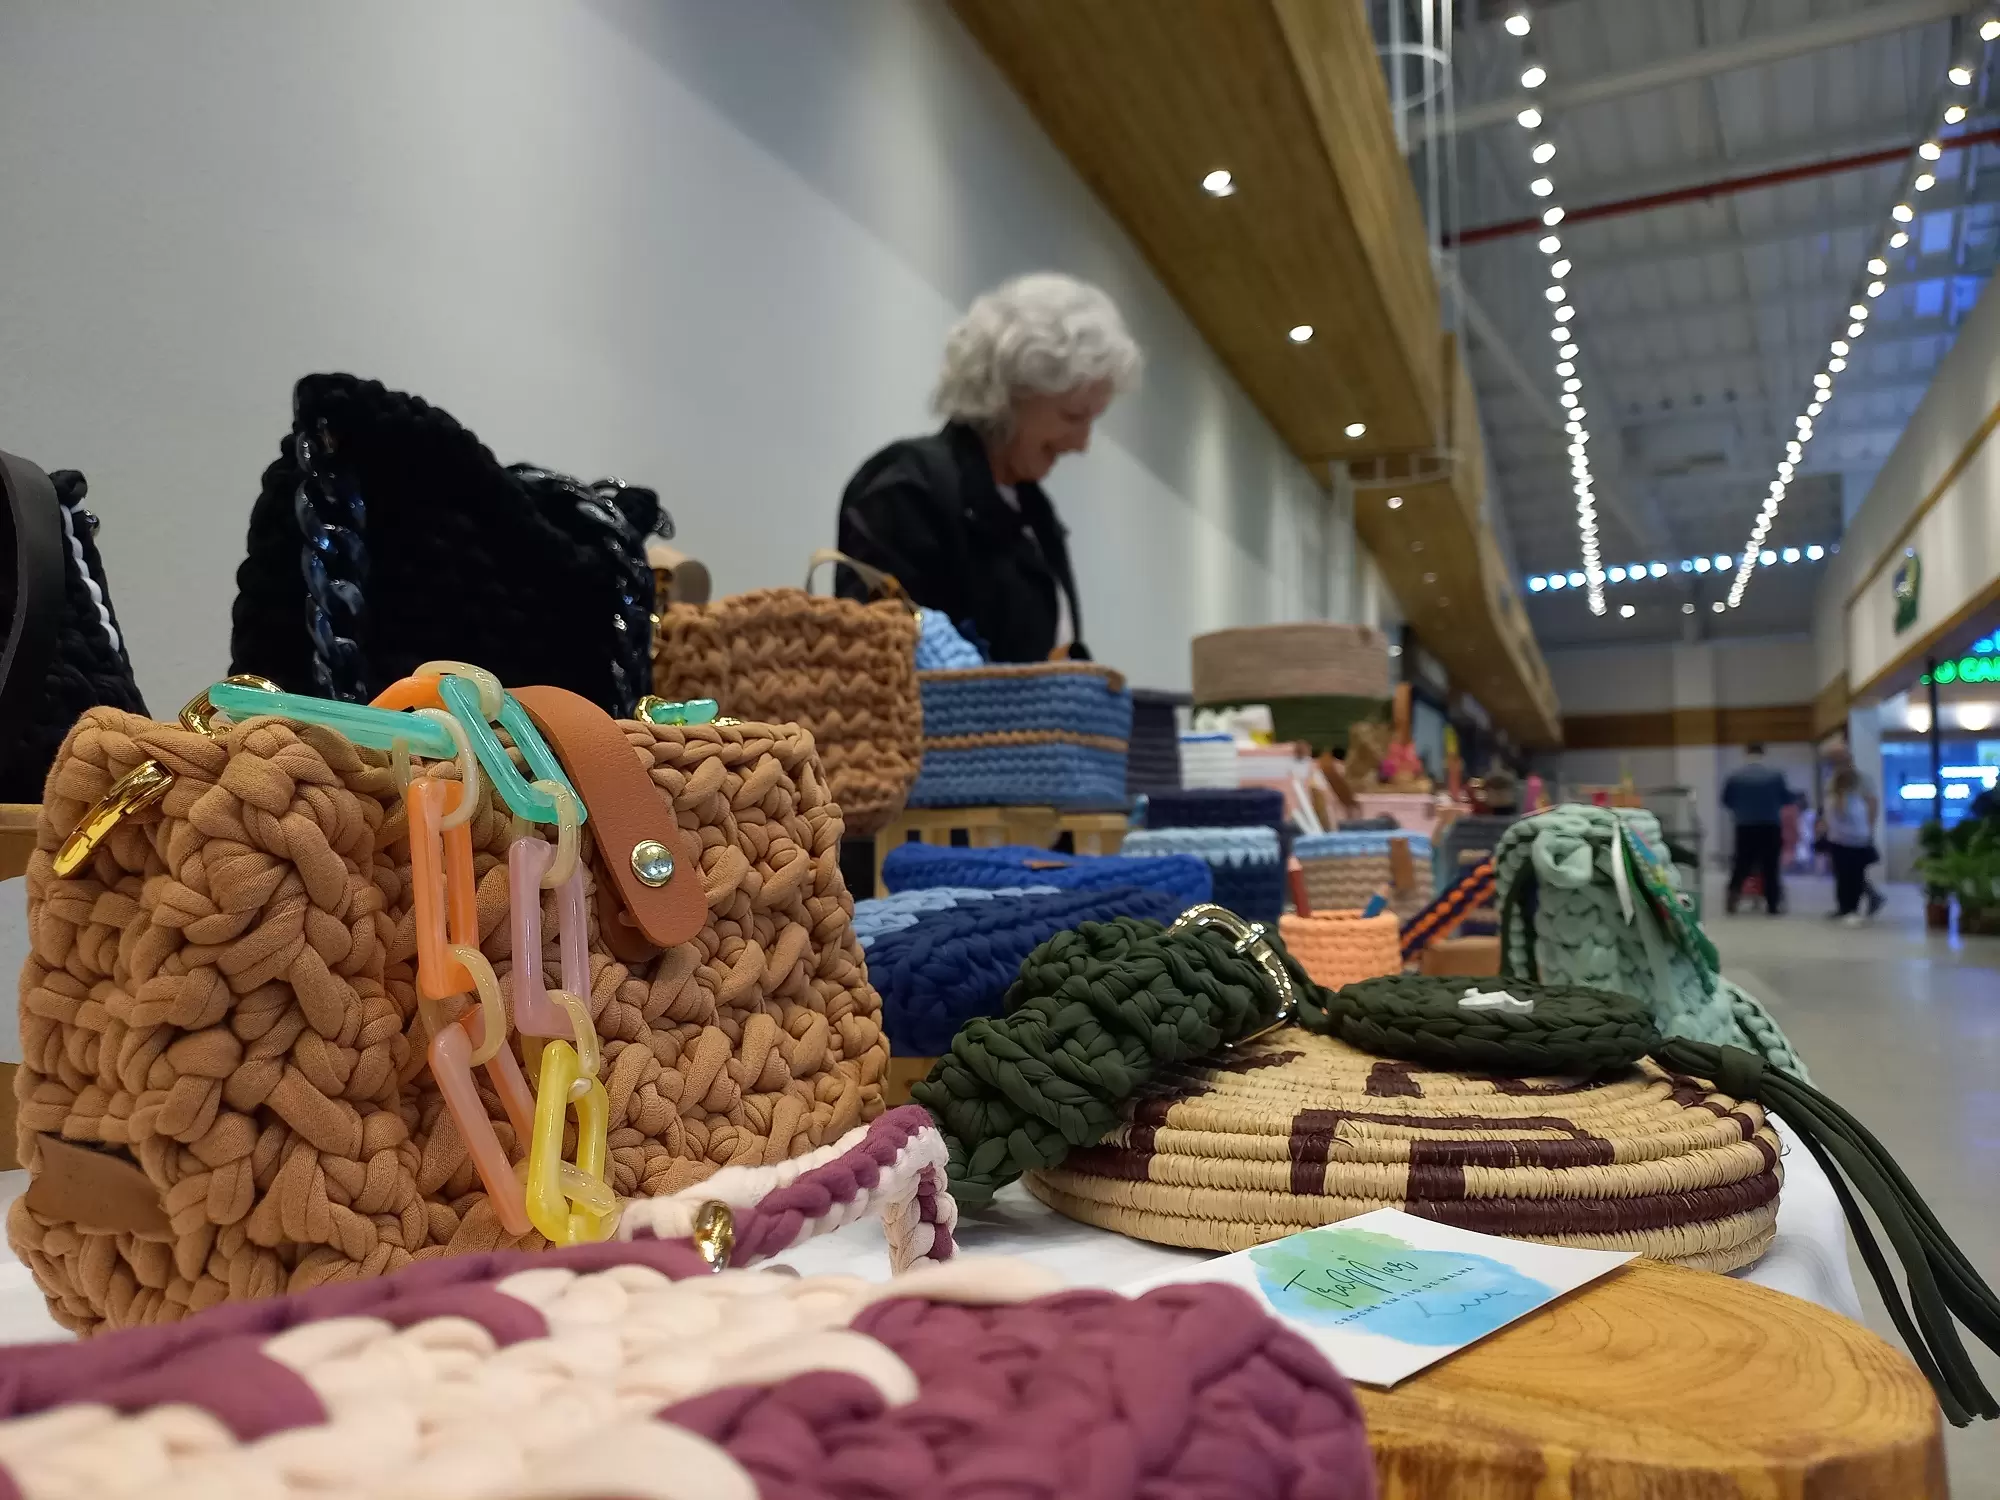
(225, 1091)
(846, 671)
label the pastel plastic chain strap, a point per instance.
(452, 1052)
(446, 900)
(570, 1204)
(467, 699)
(376, 728)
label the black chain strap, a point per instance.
(624, 547)
(333, 521)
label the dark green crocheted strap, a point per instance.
(1943, 1284)
(1095, 1013)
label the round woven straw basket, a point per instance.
(1303, 659)
(1341, 947)
(1298, 1129)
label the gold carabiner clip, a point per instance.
(141, 787)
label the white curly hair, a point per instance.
(1046, 332)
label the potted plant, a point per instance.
(1933, 867)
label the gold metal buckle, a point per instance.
(141, 787)
(1250, 939)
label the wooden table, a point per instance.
(1664, 1384)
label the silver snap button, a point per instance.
(652, 862)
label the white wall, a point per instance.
(709, 245)
(1957, 541)
(1658, 679)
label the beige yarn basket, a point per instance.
(1298, 1129)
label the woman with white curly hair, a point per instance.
(959, 517)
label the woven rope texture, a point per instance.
(1244, 865)
(885, 914)
(1341, 947)
(939, 973)
(910, 867)
(1216, 807)
(1024, 735)
(464, 560)
(1299, 1129)
(1256, 663)
(843, 670)
(624, 1369)
(226, 995)
(1582, 936)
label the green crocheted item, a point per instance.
(1571, 1031)
(1560, 870)
(1095, 1011)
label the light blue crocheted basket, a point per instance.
(1038, 734)
(1587, 896)
(1245, 864)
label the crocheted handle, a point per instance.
(1097, 1011)
(894, 1168)
(881, 585)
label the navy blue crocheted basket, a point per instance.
(956, 964)
(1246, 864)
(1043, 733)
(911, 867)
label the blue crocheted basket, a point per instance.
(910, 867)
(958, 961)
(1040, 734)
(1245, 865)
(1216, 807)
(881, 915)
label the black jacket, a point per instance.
(927, 510)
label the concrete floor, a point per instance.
(1903, 1028)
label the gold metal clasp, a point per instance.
(141, 787)
(1252, 941)
(715, 1234)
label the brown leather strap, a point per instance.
(96, 1190)
(626, 810)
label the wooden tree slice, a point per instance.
(1660, 1382)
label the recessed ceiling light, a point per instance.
(1989, 30)
(1529, 118)
(1717, 606)
(1301, 334)
(1954, 114)
(1626, 611)
(1430, 578)
(1544, 151)
(1541, 187)
(1219, 183)
(1534, 76)
(1930, 151)
(1902, 213)
(1552, 217)
(1395, 502)
(1959, 74)
(1356, 429)
(1518, 23)
(1924, 183)
(1687, 609)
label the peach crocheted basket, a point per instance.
(1341, 947)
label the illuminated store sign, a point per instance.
(1983, 665)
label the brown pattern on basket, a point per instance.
(844, 670)
(1348, 880)
(1302, 1130)
(225, 995)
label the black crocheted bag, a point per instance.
(62, 650)
(387, 535)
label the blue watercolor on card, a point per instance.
(1378, 1283)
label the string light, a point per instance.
(1644, 572)
(1755, 554)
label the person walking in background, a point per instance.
(1756, 795)
(1851, 807)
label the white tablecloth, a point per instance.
(1808, 1259)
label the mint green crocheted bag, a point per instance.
(1588, 896)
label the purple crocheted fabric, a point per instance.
(1186, 1393)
